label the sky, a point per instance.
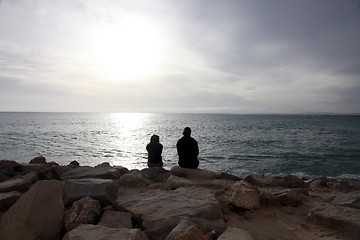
(196, 56)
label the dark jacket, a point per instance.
(188, 151)
(154, 156)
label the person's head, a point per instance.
(187, 132)
(154, 139)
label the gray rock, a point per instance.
(86, 210)
(156, 174)
(134, 178)
(104, 172)
(194, 174)
(245, 196)
(114, 219)
(189, 231)
(233, 233)
(351, 199)
(343, 219)
(284, 197)
(8, 167)
(161, 211)
(8, 199)
(38, 214)
(174, 182)
(20, 184)
(104, 190)
(287, 181)
(87, 231)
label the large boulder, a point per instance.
(188, 230)
(156, 174)
(87, 231)
(8, 199)
(233, 233)
(245, 196)
(104, 172)
(83, 211)
(351, 199)
(134, 178)
(343, 219)
(283, 197)
(37, 215)
(194, 174)
(20, 184)
(38, 160)
(160, 211)
(113, 219)
(104, 190)
(174, 182)
(287, 181)
(8, 167)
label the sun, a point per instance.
(127, 50)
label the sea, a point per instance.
(307, 146)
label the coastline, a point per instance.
(154, 203)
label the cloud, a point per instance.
(218, 56)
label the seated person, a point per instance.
(188, 150)
(154, 149)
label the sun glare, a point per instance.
(126, 50)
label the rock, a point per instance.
(227, 176)
(174, 182)
(187, 230)
(245, 196)
(114, 219)
(283, 197)
(160, 211)
(233, 233)
(103, 172)
(194, 174)
(122, 170)
(83, 211)
(8, 167)
(343, 219)
(20, 184)
(8, 199)
(156, 174)
(44, 171)
(104, 164)
(74, 164)
(134, 179)
(287, 181)
(104, 190)
(213, 184)
(38, 160)
(351, 199)
(348, 185)
(87, 231)
(38, 214)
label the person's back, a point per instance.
(188, 150)
(154, 149)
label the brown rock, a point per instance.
(245, 196)
(8, 199)
(343, 219)
(38, 160)
(187, 230)
(114, 219)
(233, 233)
(37, 215)
(194, 174)
(87, 231)
(104, 190)
(20, 184)
(134, 179)
(160, 211)
(84, 211)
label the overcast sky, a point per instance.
(229, 56)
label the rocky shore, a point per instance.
(46, 201)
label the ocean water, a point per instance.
(303, 145)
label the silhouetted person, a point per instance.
(188, 150)
(154, 149)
